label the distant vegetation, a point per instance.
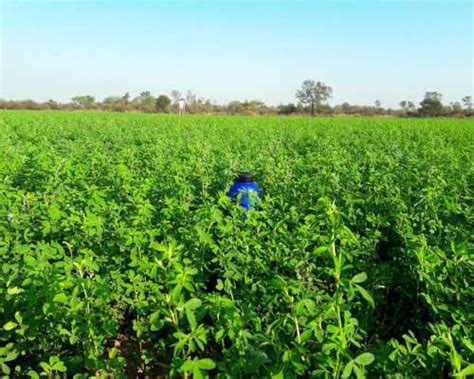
(311, 99)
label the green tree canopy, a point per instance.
(84, 100)
(431, 105)
(313, 93)
(162, 103)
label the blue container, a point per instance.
(248, 188)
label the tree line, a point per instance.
(311, 97)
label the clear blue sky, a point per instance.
(222, 50)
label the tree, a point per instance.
(200, 105)
(377, 109)
(431, 105)
(234, 107)
(407, 105)
(467, 102)
(455, 108)
(287, 109)
(175, 96)
(313, 93)
(126, 99)
(52, 104)
(122, 104)
(145, 102)
(115, 104)
(190, 98)
(433, 96)
(85, 101)
(162, 103)
(111, 99)
(347, 108)
(253, 107)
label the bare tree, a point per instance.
(313, 93)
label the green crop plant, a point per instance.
(122, 256)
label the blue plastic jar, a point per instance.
(249, 190)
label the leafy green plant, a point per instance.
(122, 256)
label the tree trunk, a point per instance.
(312, 109)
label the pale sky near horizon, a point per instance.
(367, 50)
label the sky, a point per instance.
(225, 50)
